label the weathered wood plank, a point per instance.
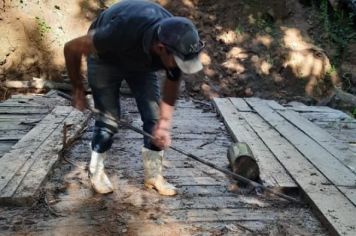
(331, 167)
(45, 158)
(13, 134)
(5, 146)
(25, 110)
(15, 164)
(334, 208)
(15, 126)
(194, 181)
(223, 214)
(272, 172)
(240, 104)
(13, 161)
(350, 193)
(321, 137)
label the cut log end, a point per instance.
(242, 161)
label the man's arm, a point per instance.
(162, 130)
(73, 52)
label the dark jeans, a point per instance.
(105, 81)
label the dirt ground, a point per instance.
(274, 50)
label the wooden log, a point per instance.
(242, 161)
(38, 84)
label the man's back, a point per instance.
(124, 33)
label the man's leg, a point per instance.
(104, 81)
(146, 90)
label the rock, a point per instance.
(248, 92)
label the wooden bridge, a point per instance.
(307, 152)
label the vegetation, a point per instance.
(42, 26)
(339, 29)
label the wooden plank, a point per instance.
(240, 104)
(331, 167)
(275, 105)
(17, 105)
(272, 172)
(13, 161)
(332, 206)
(195, 181)
(5, 146)
(25, 110)
(322, 137)
(349, 192)
(224, 214)
(13, 134)
(15, 126)
(45, 157)
(204, 202)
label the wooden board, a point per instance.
(240, 104)
(334, 208)
(322, 137)
(272, 172)
(13, 161)
(45, 158)
(322, 159)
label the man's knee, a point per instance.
(102, 138)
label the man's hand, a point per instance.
(73, 52)
(161, 134)
(78, 99)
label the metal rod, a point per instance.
(223, 170)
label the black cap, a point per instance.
(181, 37)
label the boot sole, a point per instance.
(96, 190)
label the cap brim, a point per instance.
(190, 66)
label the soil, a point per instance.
(266, 50)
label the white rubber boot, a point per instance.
(99, 180)
(152, 162)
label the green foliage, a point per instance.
(265, 23)
(354, 112)
(338, 28)
(239, 30)
(42, 26)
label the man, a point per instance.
(132, 40)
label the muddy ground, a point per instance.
(279, 49)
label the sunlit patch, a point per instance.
(205, 58)
(294, 40)
(233, 65)
(236, 52)
(209, 72)
(228, 37)
(208, 91)
(304, 59)
(188, 3)
(251, 19)
(265, 40)
(254, 201)
(265, 67)
(305, 63)
(163, 2)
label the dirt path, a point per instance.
(278, 50)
